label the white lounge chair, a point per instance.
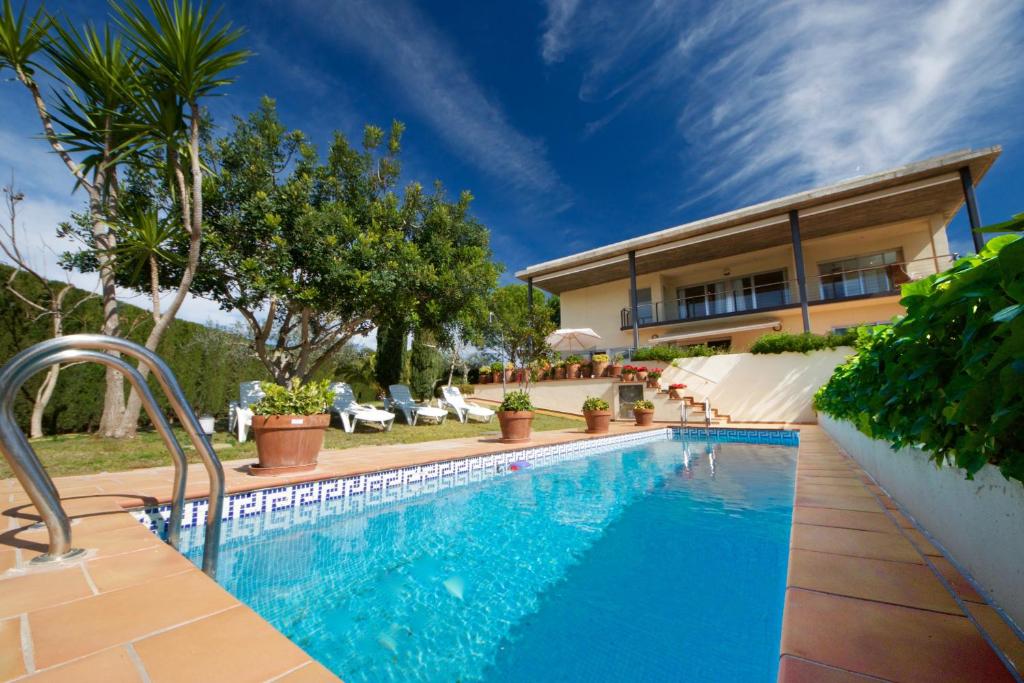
(401, 398)
(352, 413)
(453, 399)
(249, 393)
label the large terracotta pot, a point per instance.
(644, 416)
(572, 371)
(598, 421)
(485, 378)
(614, 370)
(496, 376)
(560, 372)
(288, 443)
(508, 374)
(515, 425)
(600, 366)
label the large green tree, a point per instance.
(516, 329)
(313, 252)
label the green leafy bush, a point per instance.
(595, 403)
(311, 398)
(643, 404)
(573, 360)
(667, 354)
(949, 376)
(516, 401)
(781, 342)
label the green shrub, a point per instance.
(573, 360)
(949, 376)
(595, 403)
(781, 342)
(516, 401)
(667, 354)
(643, 404)
(311, 398)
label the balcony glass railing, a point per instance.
(743, 295)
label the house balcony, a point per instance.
(741, 295)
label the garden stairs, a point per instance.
(667, 409)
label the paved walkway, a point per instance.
(863, 594)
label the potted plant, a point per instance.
(516, 417)
(597, 414)
(572, 367)
(600, 361)
(615, 368)
(509, 368)
(629, 373)
(289, 424)
(675, 391)
(641, 373)
(560, 370)
(484, 374)
(643, 412)
(653, 375)
(496, 373)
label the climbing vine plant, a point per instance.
(948, 377)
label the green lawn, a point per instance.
(84, 454)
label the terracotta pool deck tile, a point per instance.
(899, 583)
(887, 641)
(847, 519)
(123, 615)
(114, 665)
(133, 568)
(922, 543)
(854, 542)
(37, 590)
(793, 670)
(314, 672)
(1001, 634)
(12, 663)
(902, 519)
(236, 643)
(958, 581)
(845, 482)
(838, 502)
(832, 490)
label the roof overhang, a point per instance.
(924, 188)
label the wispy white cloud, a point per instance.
(429, 74)
(779, 95)
(557, 27)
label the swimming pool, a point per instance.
(652, 561)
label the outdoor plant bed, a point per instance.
(597, 414)
(515, 414)
(643, 413)
(289, 426)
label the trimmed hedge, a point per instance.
(782, 342)
(667, 354)
(949, 376)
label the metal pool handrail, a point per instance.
(37, 482)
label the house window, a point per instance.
(644, 306)
(749, 293)
(862, 275)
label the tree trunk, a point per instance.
(113, 398)
(43, 396)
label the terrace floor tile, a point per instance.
(899, 583)
(887, 641)
(958, 581)
(12, 663)
(854, 542)
(793, 670)
(113, 665)
(847, 519)
(41, 589)
(1000, 633)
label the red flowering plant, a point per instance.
(676, 386)
(654, 373)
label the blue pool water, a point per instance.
(657, 562)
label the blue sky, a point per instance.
(580, 123)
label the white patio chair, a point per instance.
(401, 398)
(453, 399)
(352, 413)
(249, 393)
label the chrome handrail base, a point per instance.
(47, 558)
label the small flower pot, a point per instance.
(642, 375)
(628, 376)
(600, 367)
(515, 425)
(675, 394)
(586, 370)
(644, 416)
(598, 421)
(653, 383)
(614, 370)
(288, 443)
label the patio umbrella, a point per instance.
(569, 339)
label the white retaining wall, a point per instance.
(979, 522)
